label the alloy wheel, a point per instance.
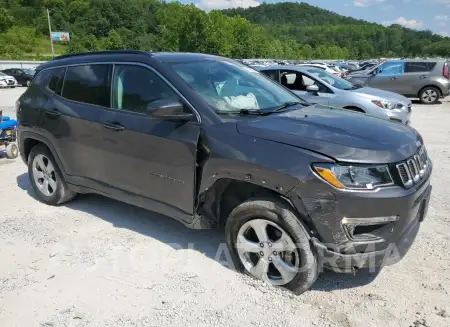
(44, 175)
(267, 251)
(430, 96)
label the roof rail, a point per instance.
(70, 55)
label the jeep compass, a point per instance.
(211, 142)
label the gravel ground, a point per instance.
(98, 262)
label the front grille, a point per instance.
(414, 169)
(10, 82)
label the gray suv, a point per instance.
(427, 79)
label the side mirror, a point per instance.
(168, 110)
(312, 88)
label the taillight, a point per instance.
(446, 72)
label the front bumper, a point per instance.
(372, 259)
(345, 248)
(8, 83)
(399, 115)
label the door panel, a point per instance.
(150, 157)
(390, 77)
(73, 121)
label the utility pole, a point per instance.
(50, 32)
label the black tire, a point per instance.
(281, 214)
(12, 151)
(62, 193)
(426, 93)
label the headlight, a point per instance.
(354, 177)
(383, 104)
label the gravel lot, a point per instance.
(98, 262)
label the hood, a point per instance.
(372, 93)
(6, 77)
(340, 134)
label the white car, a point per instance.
(7, 81)
(324, 67)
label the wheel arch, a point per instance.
(433, 86)
(354, 108)
(218, 201)
(29, 140)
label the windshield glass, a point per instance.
(28, 71)
(229, 86)
(330, 79)
(3, 74)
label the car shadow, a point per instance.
(173, 233)
(415, 101)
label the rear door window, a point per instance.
(419, 67)
(88, 84)
(56, 79)
(394, 68)
(272, 74)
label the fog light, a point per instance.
(366, 229)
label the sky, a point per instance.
(433, 15)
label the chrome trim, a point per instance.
(197, 114)
(369, 220)
(414, 170)
(416, 167)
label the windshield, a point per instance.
(3, 74)
(332, 80)
(228, 86)
(28, 71)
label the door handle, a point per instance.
(53, 112)
(394, 78)
(113, 126)
(423, 77)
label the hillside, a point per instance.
(284, 30)
(317, 27)
(299, 14)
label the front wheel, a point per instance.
(267, 241)
(429, 95)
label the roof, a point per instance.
(291, 67)
(85, 57)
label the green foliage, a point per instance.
(6, 20)
(284, 30)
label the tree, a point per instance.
(6, 20)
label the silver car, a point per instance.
(426, 79)
(317, 86)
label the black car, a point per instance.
(23, 76)
(211, 142)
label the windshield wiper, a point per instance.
(242, 112)
(289, 104)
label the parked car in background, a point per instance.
(7, 81)
(324, 67)
(429, 79)
(22, 75)
(349, 66)
(211, 143)
(318, 86)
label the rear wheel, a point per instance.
(267, 241)
(46, 178)
(429, 95)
